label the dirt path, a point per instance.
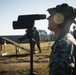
(19, 64)
(16, 72)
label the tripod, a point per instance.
(30, 36)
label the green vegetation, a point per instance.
(41, 60)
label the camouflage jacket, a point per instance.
(62, 52)
(36, 35)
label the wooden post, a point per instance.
(5, 51)
(0, 49)
(16, 49)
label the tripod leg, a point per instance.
(31, 58)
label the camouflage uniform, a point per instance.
(74, 34)
(37, 39)
(62, 55)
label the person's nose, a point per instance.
(49, 18)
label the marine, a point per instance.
(62, 57)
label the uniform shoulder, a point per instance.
(63, 42)
(70, 38)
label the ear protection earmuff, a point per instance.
(59, 19)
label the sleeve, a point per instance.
(65, 53)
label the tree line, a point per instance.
(51, 36)
(46, 37)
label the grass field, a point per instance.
(12, 64)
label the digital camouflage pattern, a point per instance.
(62, 58)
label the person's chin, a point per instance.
(49, 28)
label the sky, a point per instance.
(11, 9)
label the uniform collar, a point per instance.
(61, 36)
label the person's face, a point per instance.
(51, 24)
(54, 20)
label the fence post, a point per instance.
(5, 51)
(0, 49)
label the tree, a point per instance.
(46, 37)
(43, 34)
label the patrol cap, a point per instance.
(65, 9)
